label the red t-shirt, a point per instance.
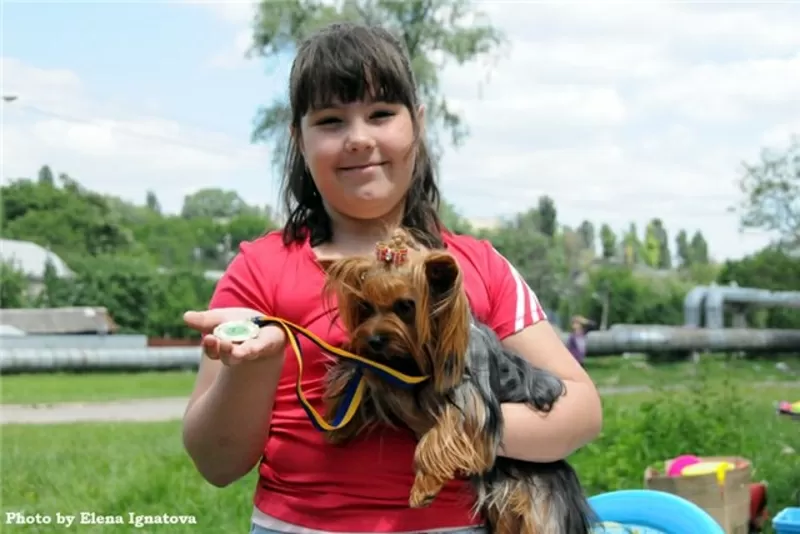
(363, 486)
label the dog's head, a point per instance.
(405, 308)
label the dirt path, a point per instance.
(171, 408)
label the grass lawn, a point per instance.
(606, 372)
(615, 371)
(94, 387)
(115, 469)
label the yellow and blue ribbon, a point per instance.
(354, 393)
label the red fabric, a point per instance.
(758, 503)
(363, 486)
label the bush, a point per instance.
(634, 297)
(711, 418)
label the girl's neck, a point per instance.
(358, 236)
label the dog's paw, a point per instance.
(419, 500)
(545, 390)
(424, 491)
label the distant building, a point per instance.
(50, 321)
(485, 223)
(31, 259)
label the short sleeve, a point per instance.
(513, 304)
(242, 285)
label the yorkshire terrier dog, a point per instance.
(408, 310)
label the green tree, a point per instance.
(655, 250)
(698, 248)
(771, 190)
(683, 250)
(587, 234)
(13, 287)
(548, 216)
(213, 203)
(631, 246)
(68, 219)
(633, 297)
(56, 292)
(651, 248)
(436, 33)
(152, 203)
(771, 268)
(608, 240)
(46, 176)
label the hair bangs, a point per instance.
(338, 71)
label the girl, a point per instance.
(357, 166)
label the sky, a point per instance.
(619, 111)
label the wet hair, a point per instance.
(340, 64)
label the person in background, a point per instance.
(576, 343)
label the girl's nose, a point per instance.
(358, 138)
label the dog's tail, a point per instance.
(532, 498)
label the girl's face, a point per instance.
(360, 155)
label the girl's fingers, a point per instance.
(216, 348)
(269, 339)
(206, 321)
(210, 346)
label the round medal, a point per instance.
(237, 331)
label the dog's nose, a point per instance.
(376, 343)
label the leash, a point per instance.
(239, 331)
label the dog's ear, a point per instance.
(448, 318)
(442, 273)
(344, 281)
(346, 273)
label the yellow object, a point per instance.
(706, 468)
(796, 407)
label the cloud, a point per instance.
(620, 112)
(237, 12)
(109, 147)
(626, 112)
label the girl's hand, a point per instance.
(270, 342)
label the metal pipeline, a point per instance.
(693, 306)
(621, 338)
(88, 359)
(657, 338)
(716, 297)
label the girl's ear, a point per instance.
(421, 118)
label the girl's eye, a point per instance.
(382, 114)
(327, 121)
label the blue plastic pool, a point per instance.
(787, 521)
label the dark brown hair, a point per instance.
(344, 63)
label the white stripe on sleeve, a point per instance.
(522, 290)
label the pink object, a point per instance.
(677, 465)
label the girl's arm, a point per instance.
(519, 320)
(575, 420)
(227, 420)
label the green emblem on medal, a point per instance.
(237, 331)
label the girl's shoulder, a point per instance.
(270, 243)
(499, 295)
(472, 254)
(258, 272)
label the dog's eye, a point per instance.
(365, 310)
(404, 308)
